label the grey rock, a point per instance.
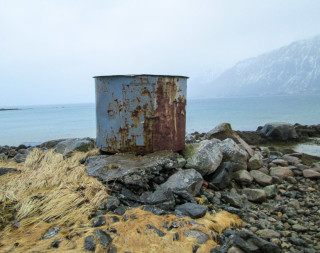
(222, 176)
(234, 154)
(120, 210)
(268, 233)
(261, 178)
(50, 144)
(281, 172)
(4, 171)
(255, 195)
(67, 147)
(205, 157)
(299, 228)
(155, 210)
(243, 177)
(200, 236)
(55, 243)
(104, 238)
(52, 232)
(193, 210)
(3, 156)
(189, 180)
(297, 241)
(157, 231)
(20, 158)
(292, 160)
(280, 162)
(99, 221)
(162, 198)
(234, 199)
(279, 131)
(255, 162)
(251, 243)
(12, 153)
(112, 203)
(220, 131)
(310, 173)
(89, 243)
(271, 191)
(129, 169)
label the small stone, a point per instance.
(154, 210)
(4, 171)
(99, 221)
(268, 233)
(261, 178)
(299, 228)
(200, 236)
(271, 191)
(104, 238)
(255, 195)
(281, 172)
(292, 160)
(243, 177)
(280, 162)
(234, 199)
(255, 162)
(193, 210)
(52, 232)
(310, 173)
(89, 243)
(120, 210)
(55, 243)
(157, 231)
(112, 203)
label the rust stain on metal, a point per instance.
(143, 114)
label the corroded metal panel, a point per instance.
(140, 113)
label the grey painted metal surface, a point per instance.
(140, 113)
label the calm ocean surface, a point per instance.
(36, 124)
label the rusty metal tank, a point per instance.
(141, 113)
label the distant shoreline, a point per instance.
(10, 109)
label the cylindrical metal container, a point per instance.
(141, 113)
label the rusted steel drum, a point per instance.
(141, 113)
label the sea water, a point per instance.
(36, 124)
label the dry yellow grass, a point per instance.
(52, 191)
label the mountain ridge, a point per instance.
(291, 69)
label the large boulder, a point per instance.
(184, 180)
(234, 154)
(279, 131)
(221, 132)
(67, 147)
(204, 157)
(131, 170)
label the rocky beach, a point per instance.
(227, 191)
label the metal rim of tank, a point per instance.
(140, 75)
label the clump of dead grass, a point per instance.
(52, 191)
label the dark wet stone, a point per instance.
(120, 210)
(154, 210)
(112, 203)
(115, 218)
(176, 236)
(233, 210)
(104, 238)
(251, 243)
(222, 176)
(99, 221)
(163, 198)
(159, 232)
(200, 236)
(234, 199)
(52, 232)
(55, 243)
(297, 241)
(7, 170)
(195, 211)
(195, 248)
(89, 243)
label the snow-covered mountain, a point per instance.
(293, 69)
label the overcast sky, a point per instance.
(49, 50)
